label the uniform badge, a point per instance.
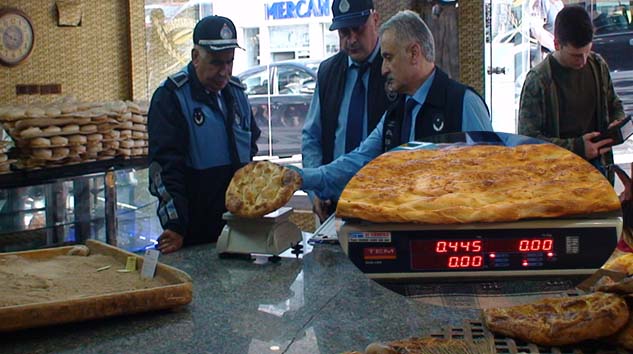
(198, 116)
(344, 6)
(438, 123)
(225, 32)
(391, 94)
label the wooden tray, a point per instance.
(178, 292)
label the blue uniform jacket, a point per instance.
(191, 156)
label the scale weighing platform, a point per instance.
(272, 234)
(524, 248)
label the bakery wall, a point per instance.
(105, 59)
(92, 62)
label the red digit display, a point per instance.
(465, 261)
(449, 253)
(548, 244)
(457, 246)
(535, 245)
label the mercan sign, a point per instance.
(297, 9)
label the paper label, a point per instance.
(149, 263)
(131, 263)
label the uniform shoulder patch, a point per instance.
(235, 81)
(179, 78)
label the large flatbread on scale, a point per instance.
(483, 183)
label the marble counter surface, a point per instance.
(319, 304)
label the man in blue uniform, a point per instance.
(201, 131)
(350, 95)
(430, 103)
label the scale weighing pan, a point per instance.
(271, 234)
(560, 246)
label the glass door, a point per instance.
(507, 59)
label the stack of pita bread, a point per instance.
(5, 163)
(69, 131)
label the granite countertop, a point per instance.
(319, 304)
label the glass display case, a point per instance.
(105, 200)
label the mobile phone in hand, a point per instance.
(619, 132)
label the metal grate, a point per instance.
(476, 331)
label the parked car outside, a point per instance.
(613, 22)
(280, 95)
(613, 34)
(614, 41)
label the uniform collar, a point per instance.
(370, 60)
(420, 95)
(198, 92)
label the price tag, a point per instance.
(149, 263)
(131, 263)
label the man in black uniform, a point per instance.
(429, 104)
(350, 96)
(201, 130)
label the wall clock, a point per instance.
(16, 36)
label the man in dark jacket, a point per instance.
(568, 98)
(350, 95)
(430, 103)
(201, 130)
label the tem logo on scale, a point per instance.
(379, 253)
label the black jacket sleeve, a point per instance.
(255, 133)
(168, 144)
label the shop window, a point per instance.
(294, 81)
(257, 84)
(169, 32)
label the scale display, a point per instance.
(438, 254)
(520, 248)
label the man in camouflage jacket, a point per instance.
(544, 103)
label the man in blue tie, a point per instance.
(429, 103)
(350, 95)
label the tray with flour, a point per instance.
(64, 284)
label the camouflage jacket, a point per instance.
(538, 112)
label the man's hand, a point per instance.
(615, 122)
(169, 241)
(321, 208)
(593, 150)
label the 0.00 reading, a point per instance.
(465, 261)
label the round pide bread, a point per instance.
(260, 188)
(561, 321)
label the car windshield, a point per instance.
(609, 17)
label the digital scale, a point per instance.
(524, 248)
(271, 234)
(562, 246)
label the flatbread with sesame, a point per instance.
(561, 321)
(482, 183)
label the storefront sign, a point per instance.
(297, 9)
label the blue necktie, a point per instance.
(356, 112)
(408, 119)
